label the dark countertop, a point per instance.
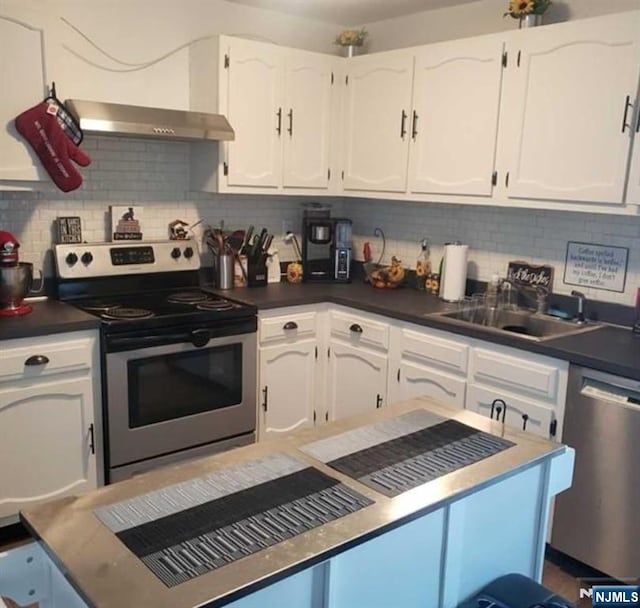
(611, 349)
(48, 317)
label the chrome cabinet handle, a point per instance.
(290, 325)
(525, 419)
(265, 403)
(37, 360)
(414, 127)
(355, 328)
(92, 439)
(279, 127)
(378, 401)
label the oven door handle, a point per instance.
(197, 337)
(146, 341)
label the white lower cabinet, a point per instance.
(520, 413)
(49, 429)
(290, 371)
(49, 420)
(357, 380)
(533, 387)
(427, 363)
(415, 380)
(341, 362)
(287, 385)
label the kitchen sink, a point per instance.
(518, 323)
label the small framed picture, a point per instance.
(68, 230)
(126, 223)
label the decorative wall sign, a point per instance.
(68, 230)
(596, 266)
(125, 223)
(531, 275)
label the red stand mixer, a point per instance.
(16, 278)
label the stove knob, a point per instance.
(87, 258)
(175, 253)
(71, 258)
(188, 253)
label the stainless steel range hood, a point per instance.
(157, 123)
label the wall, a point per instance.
(154, 175)
(495, 236)
(483, 17)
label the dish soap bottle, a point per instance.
(423, 265)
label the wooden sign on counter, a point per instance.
(596, 266)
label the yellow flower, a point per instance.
(521, 6)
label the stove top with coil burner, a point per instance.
(163, 308)
(134, 287)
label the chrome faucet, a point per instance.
(580, 318)
(541, 294)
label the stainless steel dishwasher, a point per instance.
(597, 520)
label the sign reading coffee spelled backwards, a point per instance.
(597, 266)
(529, 275)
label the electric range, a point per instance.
(178, 364)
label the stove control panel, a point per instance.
(83, 260)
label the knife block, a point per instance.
(257, 272)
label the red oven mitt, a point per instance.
(40, 127)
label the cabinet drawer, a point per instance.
(418, 381)
(522, 375)
(63, 355)
(521, 414)
(358, 330)
(288, 327)
(435, 351)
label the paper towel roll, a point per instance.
(453, 281)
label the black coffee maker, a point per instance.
(326, 247)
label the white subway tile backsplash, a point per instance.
(155, 175)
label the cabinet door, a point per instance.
(307, 120)
(417, 381)
(568, 90)
(22, 80)
(287, 382)
(633, 186)
(357, 380)
(251, 97)
(377, 131)
(46, 443)
(456, 97)
(521, 414)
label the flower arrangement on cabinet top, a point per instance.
(351, 37)
(521, 8)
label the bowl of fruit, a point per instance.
(386, 277)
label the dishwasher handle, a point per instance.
(610, 393)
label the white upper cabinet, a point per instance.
(251, 98)
(279, 102)
(568, 102)
(454, 123)
(377, 108)
(22, 81)
(633, 186)
(309, 79)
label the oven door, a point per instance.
(170, 397)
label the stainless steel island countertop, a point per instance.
(108, 575)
